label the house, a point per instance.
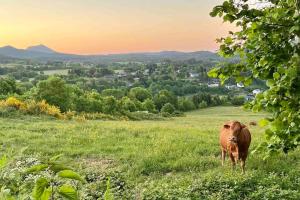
(213, 85)
(256, 91)
(231, 87)
(240, 85)
(146, 72)
(194, 75)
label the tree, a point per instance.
(110, 105)
(168, 108)
(203, 104)
(268, 44)
(8, 86)
(139, 93)
(164, 97)
(186, 104)
(127, 104)
(55, 91)
(149, 105)
(117, 93)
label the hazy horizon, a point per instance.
(111, 27)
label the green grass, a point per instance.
(56, 72)
(170, 155)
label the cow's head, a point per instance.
(234, 129)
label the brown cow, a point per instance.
(235, 138)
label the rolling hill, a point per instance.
(44, 53)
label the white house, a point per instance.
(256, 91)
(240, 85)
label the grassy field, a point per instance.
(56, 72)
(172, 159)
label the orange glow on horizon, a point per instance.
(96, 27)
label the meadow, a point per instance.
(56, 72)
(176, 158)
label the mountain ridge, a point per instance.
(40, 48)
(44, 53)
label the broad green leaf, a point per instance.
(68, 192)
(57, 167)
(213, 73)
(37, 168)
(270, 82)
(276, 75)
(263, 122)
(40, 185)
(46, 194)
(70, 175)
(228, 40)
(248, 81)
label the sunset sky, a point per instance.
(111, 26)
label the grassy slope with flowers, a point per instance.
(170, 159)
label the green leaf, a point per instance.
(68, 192)
(248, 81)
(213, 73)
(39, 188)
(228, 40)
(70, 175)
(37, 168)
(108, 195)
(55, 158)
(46, 194)
(270, 82)
(57, 167)
(263, 122)
(276, 75)
(3, 161)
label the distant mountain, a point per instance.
(40, 48)
(43, 53)
(39, 52)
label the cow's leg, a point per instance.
(223, 156)
(232, 160)
(243, 161)
(243, 165)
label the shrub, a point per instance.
(203, 104)
(8, 86)
(117, 93)
(185, 104)
(139, 93)
(128, 105)
(42, 107)
(55, 91)
(164, 97)
(238, 101)
(168, 108)
(139, 105)
(13, 102)
(110, 105)
(149, 105)
(88, 104)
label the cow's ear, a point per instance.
(227, 126)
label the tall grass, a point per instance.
(170, 159)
